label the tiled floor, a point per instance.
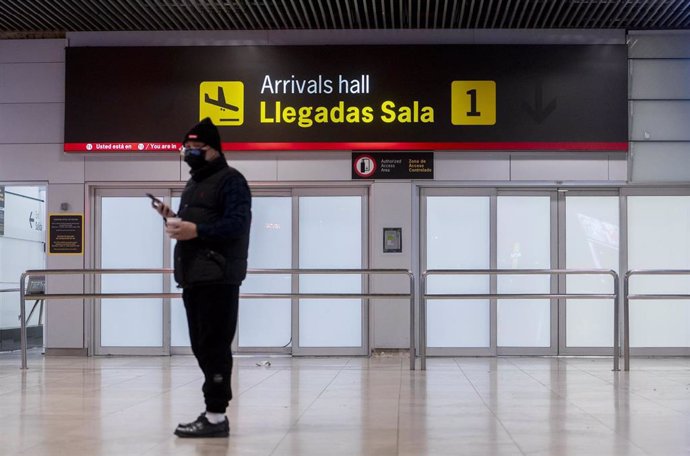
(349, 406)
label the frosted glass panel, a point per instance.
(330, 237)
(524, 242)
(267, 322)
(458, 237)
(131, 237)
(591, 243)
(659, 238)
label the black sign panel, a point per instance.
(66, 234)
(433, 97)
(387, 165)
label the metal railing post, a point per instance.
(626, 322)
(413, 358)
(616, 323)
(22, 321)
(422, 324)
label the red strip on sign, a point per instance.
(326, 146)
(122, 147)
(571, 146)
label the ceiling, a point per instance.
(48, 17)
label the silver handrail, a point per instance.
(425, 296)
(46, 296)
(9, 290)
(627, 297)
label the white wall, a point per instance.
(659, 106)
(31, 136)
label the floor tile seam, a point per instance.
(659, 404)
(633, 392)
(44, 441)
(273, 374)
(481, 398)
(584, 411)
(306, 409)
(47, 441)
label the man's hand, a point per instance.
(181, 230)
(164, 210)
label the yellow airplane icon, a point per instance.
(217, 108)
(220, 100)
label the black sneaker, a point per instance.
(203, 428)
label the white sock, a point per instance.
(215, 418)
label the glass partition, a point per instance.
(659, 238)
(267, 322)
(524, 242)
(592, 232)
(330, 237)
(131, 237)
(458, 237)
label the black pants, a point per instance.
(212, 319)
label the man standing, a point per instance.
(212, 234)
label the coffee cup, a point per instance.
(172, 221)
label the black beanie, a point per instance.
(206, 133)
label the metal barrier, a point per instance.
(425, 296)
(627, 297)
(38, 301)
(46, 296)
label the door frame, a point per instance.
(493, 193)
(260, 192)
(92, 282)
(317, 191)
(166, 191)
(425, 192)
(552, 349)
(645, 190)
(563, 193)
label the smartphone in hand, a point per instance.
(157, 204)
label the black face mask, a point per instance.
(195, 158)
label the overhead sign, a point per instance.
(65, 234)
(391, 165)
(424, 97)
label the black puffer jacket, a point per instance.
(218, 200)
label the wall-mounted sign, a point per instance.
(392, 240)
(423, 97)
(391, 165)
(2, 210)
(65, 234)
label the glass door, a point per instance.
(519, 229)
(305, 229)
(526, 239)
(458, 235)
(589, 231)
(265, 325)
(316, 228)
(658, 237)
(331, 234)
(486, 229)
(130, 234)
